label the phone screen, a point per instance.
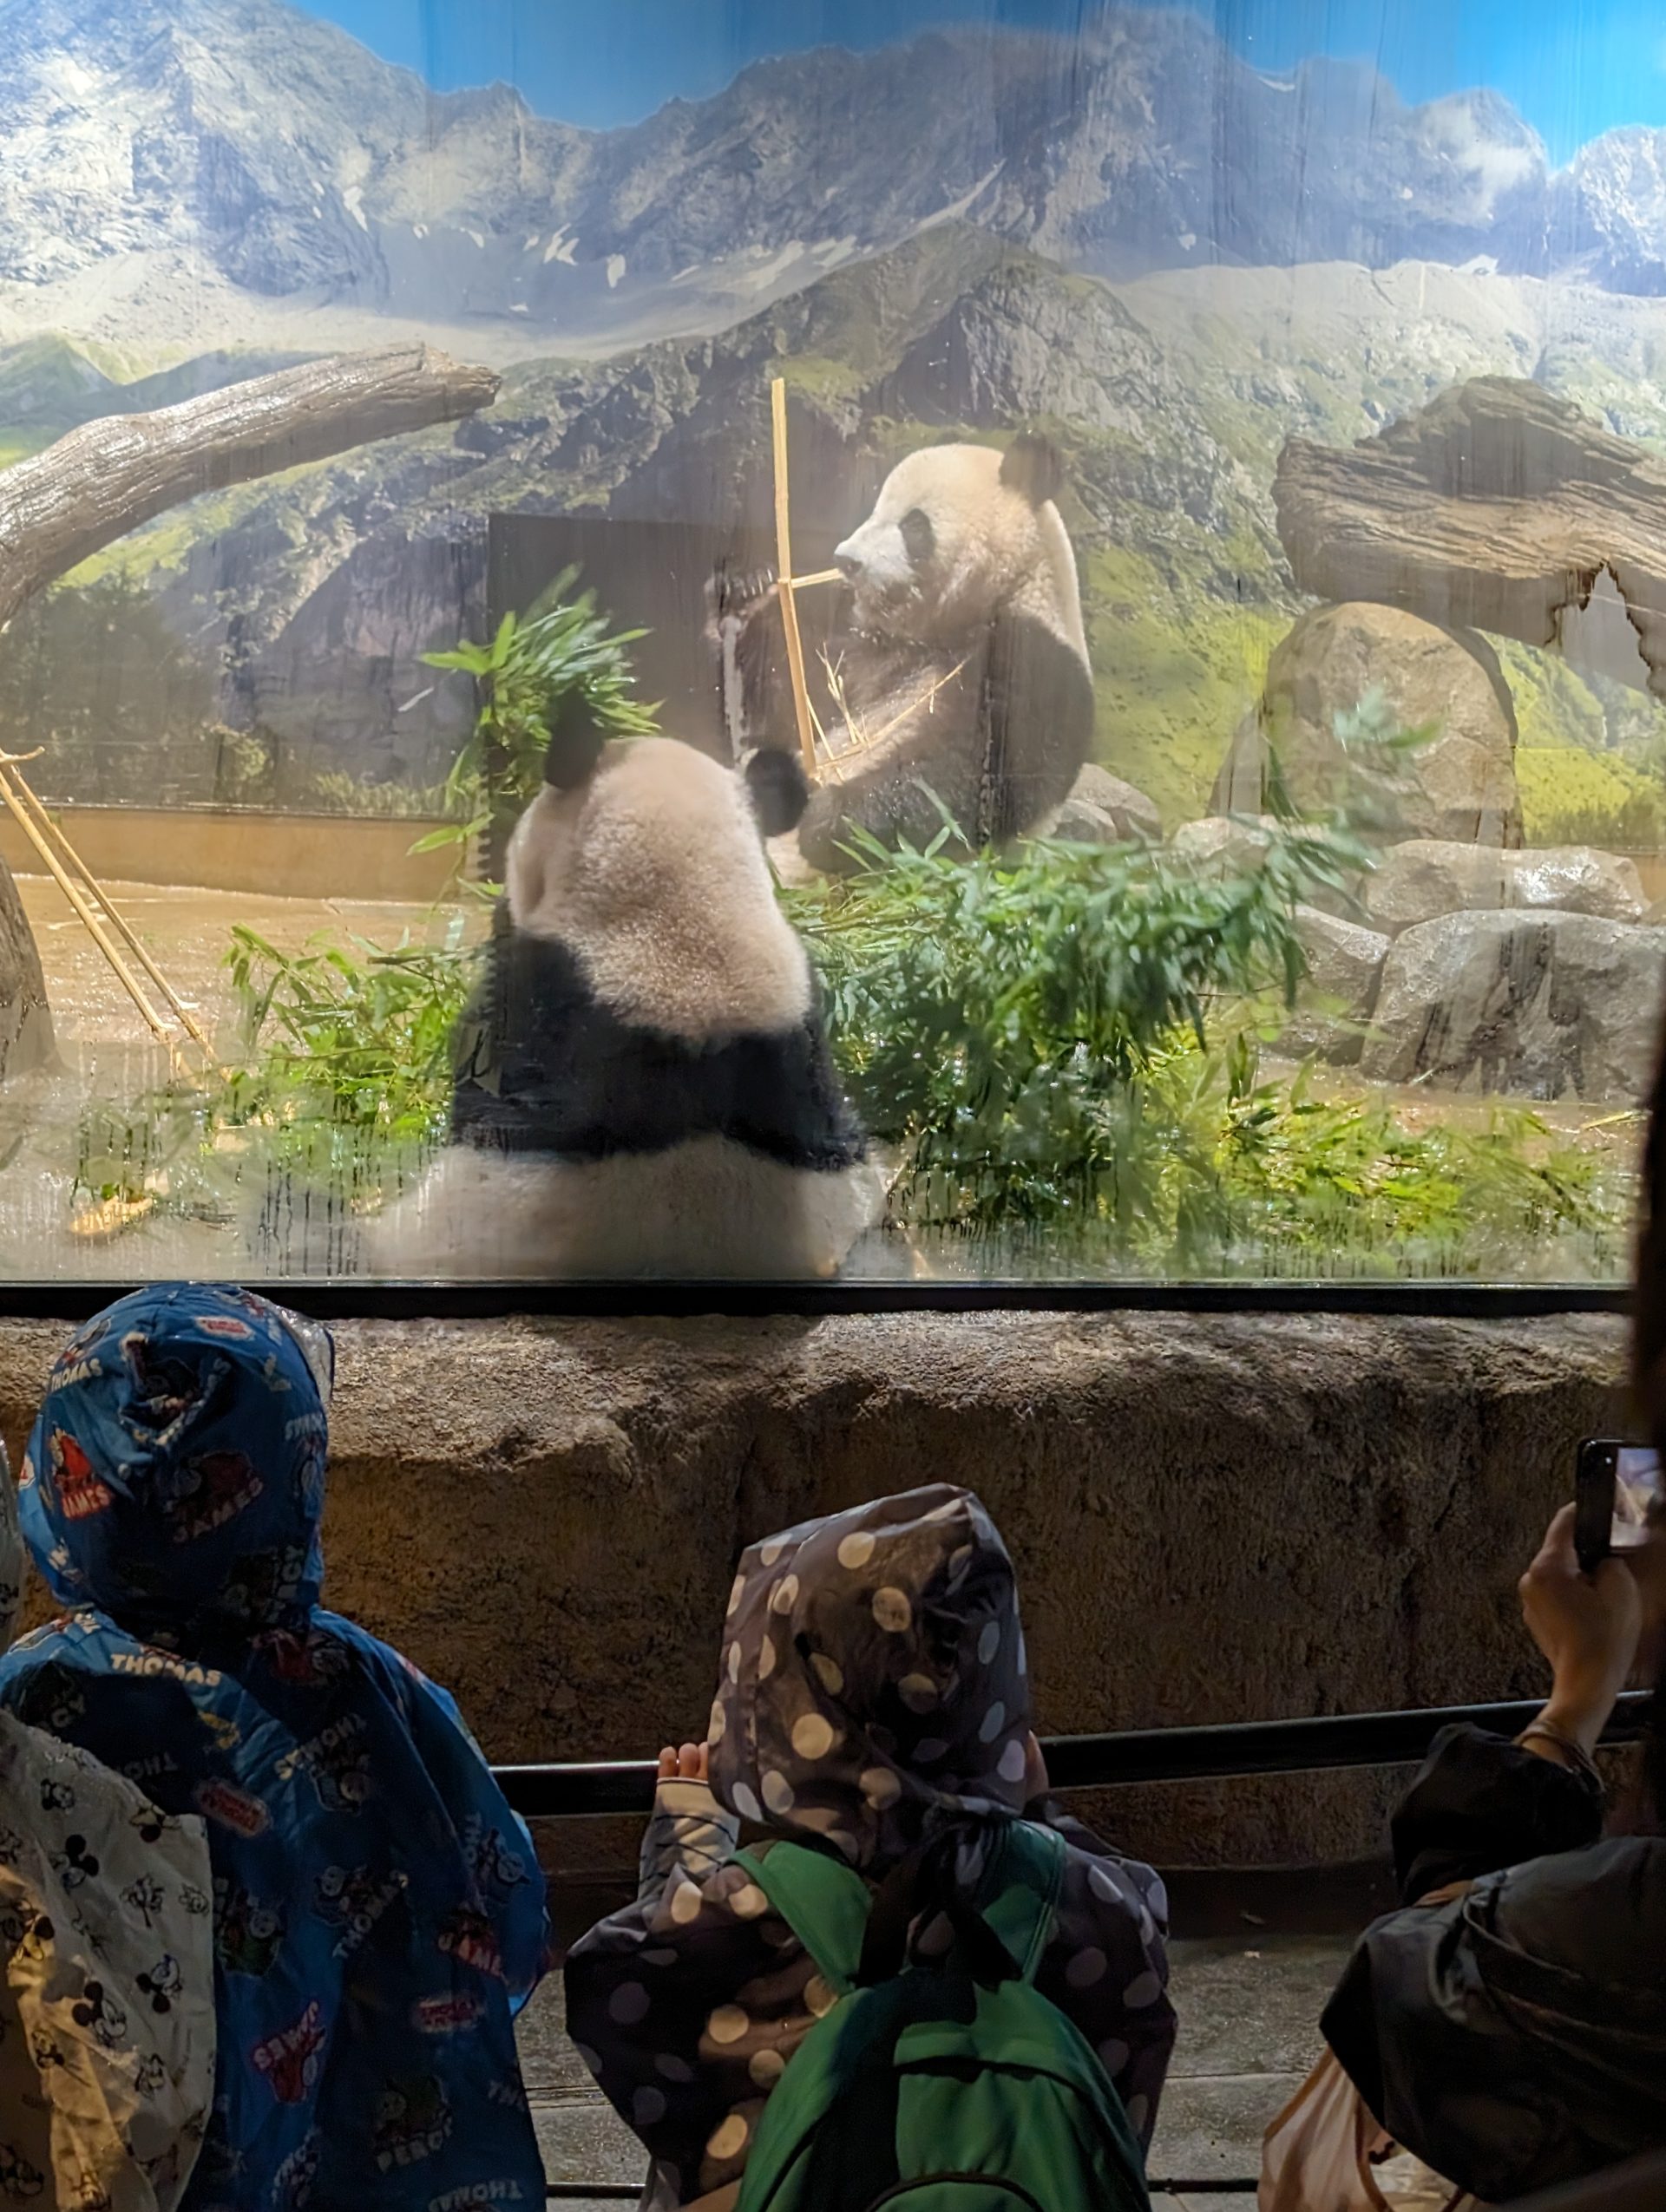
(1636, 1495)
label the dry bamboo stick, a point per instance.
(783, 569)
(95, 928)
(822, 576)
(111, 913)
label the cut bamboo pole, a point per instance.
(783, 569)
(111, 913)
(822, 576)
(95, 929)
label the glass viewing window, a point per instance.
(946, 643)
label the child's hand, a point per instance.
(1036, 1781)
(686, 1764)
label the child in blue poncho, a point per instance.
(378, 1910)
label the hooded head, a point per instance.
(873, 1675)
(11, 1557)
(175, 1475)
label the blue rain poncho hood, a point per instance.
(378, 1911)
(174, 1479)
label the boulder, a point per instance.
(1460, 784)
(1344, 968)
(26, 1039)
(1542, 1005)
(1104, 810)
(1427, 876)
(1221, 844)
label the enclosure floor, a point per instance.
(187, 932)
(1249, 2033)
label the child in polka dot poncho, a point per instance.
(872, 1693)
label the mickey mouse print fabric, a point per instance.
(873, 1693)
(106, 2024)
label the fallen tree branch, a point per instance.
(1497, 506)
(107, 477)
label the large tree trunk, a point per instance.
(26, 1039)
(108, 477)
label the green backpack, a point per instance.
(934, 2091)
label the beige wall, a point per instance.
(299, 856)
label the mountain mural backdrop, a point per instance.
(1172, 261)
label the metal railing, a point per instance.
(588, 1788)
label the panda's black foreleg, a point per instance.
(743, 626)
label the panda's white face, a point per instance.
(946, 545)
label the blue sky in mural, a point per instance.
(1573, 67)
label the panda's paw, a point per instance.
(736, 595)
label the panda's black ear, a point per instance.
(1032, 465)
(575, 741)
(779, 792)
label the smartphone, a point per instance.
(1618, 1493)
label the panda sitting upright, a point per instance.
(965, 672)
(642, 1084)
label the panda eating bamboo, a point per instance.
(961, 684)
(642, 1085)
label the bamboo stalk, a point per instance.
(822, 576)
(783, 569)
(111, 913)
(95, 928)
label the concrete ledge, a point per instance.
(1214, 1517)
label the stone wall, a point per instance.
(1214, 1518)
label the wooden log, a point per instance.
(107, 477)
(1496, 507)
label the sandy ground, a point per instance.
(108, 1053)
(188, 934)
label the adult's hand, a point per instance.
(1588, 1627)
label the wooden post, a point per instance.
(783, 568)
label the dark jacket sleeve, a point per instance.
(1515, 2037)
(1480, 1803)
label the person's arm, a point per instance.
(687, 1829)
(1452, 2074)
(504, 1860)
(1480, 1803)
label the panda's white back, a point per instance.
(640, 899)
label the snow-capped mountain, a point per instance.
(166, 165)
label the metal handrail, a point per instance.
(585, 1787)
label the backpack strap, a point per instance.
(1023, 1889)
(823, 1901)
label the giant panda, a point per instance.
(964, 662)
(642, 1084)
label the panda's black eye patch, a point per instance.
(919, 538)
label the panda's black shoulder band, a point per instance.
(780, 793)
(575, 741)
